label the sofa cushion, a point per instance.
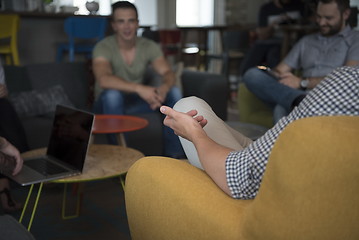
(38, 130)
(17, 79)
(39, 102)
(310, 187)
(73, 77)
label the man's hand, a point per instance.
(212, 155)
(290, 80)
(10, 150)
(3, 91)
(150, 95)
(162, 92)
(187, 125)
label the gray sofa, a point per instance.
(36, 89)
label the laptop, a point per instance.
(66, 151)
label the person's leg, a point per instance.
(269, 90)
(116, 102)
(7, 202)
(135, 104)
(110, 102)
(172, 145)
(11, 127)
(216, 129)
(278, 113)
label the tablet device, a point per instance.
(268, 70)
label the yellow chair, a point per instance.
(9, 26)
(309, 191)
(252, 110)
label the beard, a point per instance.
(330, 30)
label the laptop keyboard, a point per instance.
(44, 166)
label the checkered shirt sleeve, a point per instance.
(337, 94)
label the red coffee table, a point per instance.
(119, 124)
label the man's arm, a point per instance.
(289, 79)
(314, 81)
(351, 63)
(211, 155)
(162, 67)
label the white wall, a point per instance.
(162, 13)
(147, 11)
(166, 14)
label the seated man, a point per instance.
(315, 55)
(120, 62)
(14, 164)
(268, 44)
(236, 164)
(10, 228)
(10, 125)
(11, 129)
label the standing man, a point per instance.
(120, 62)
(315, 55)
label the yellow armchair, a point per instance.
(309, 191)
(252, 110)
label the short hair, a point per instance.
(342, 4)
(124, 5)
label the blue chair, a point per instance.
(87, 29)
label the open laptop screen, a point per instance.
(70, 136)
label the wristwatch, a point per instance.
(304, 84)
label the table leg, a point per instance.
(122, 180)
(78, 203)
(121, 140)
(35, 205)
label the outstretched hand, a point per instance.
(187, 125)
(212, 155)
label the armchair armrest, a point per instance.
(171, 199)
